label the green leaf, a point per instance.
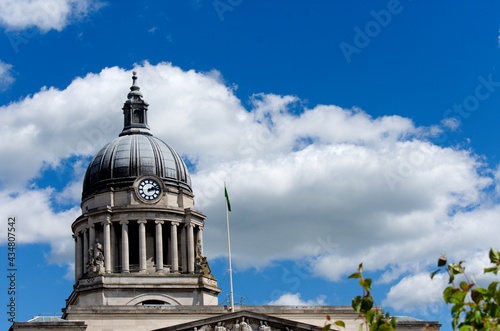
(494, 256)
(370, 315)
(491, 269)
(457, 308)
(464, 286)
(478, 317)
(493, 309)
(466, 327)
(476, 296)
(434, 273)
(448, 292)
(340, 323)
(456, 268)
(355, 275)
(366, 284)
(385, 327)
(356, 303)
(458, 297)
(453, 295)
(366, 304)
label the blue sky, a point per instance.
(347, 132)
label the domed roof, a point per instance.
(134, 153)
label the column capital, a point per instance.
(175, 223)
(106, 221)
(159, 222)
(124, 222)
(142, 221)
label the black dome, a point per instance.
(135, 153)
(124, 159)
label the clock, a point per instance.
(149, 189)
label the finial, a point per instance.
(134, 89)
(134, 77)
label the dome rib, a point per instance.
(123, 160)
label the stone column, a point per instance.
(107, 245)
(183, 249)
(92, 236)
(78, 256)
(125, 250)
(199, 241)
(173, 249)
(190, 247)
(159, 246)
(85, 250)
(142, 246)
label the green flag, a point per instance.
(227, 199)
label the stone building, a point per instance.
(139, 262)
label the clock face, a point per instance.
(149, 189)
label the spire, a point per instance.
(135, 111)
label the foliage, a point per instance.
(472, 307)
(373, 317)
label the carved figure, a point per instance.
(99, 258)
(199, 252)
(95, 263)
(264, 327)
(244, 326)
(91, 262)
(236, 326)
(220, 327)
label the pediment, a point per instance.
(242, 321)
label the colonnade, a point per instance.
(143, 246)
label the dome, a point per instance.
(136, 152)
(127, 157)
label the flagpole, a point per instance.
(229, 251)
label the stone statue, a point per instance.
(201, 264)
(199, 251)
(96, 259)
(220, 327)
(264, 327)
(99, 258)
(91, 263)
(244, 326)
(236, 326)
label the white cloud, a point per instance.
(417, 293)
(451, 123)
(294, 299)
(6, 76)
(331, 185)
(43, 14)
(36, 222)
